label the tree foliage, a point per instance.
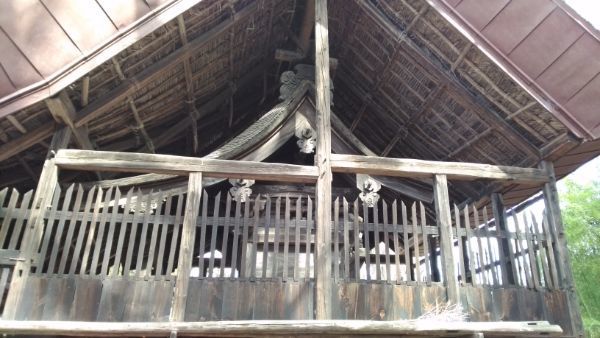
(580, 206)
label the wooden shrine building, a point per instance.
(278, 167)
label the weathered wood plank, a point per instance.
(82, 229)
(34, 230)
(152, 248)
(395, 238)
(107, 249)
(244, 249)
(203, 229)
(68, 240)
(385, 166)
(140, 198)
(14, 197)
(59, 231)
(309, 225)
(386, 240)
(355, 230)
(86, 299)
(143, 236)
(405, 242)
(444, 221)
(160, 257)
(286, 237)
(92, 232)
(41, 258)
(213, 235)
(94, 268)
(175, 235)
(492, 263)
(180, 165)
(336, 244)
(226, 225)
(323, 290)
(346, 225)
(297, 238)
(184, 264)
(121, 238)
(21, 218)
(282, 327)
(425, 244)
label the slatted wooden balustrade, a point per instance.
(109, 254)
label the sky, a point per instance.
(588, 9)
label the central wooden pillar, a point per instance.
(323, 159)
(444, 223)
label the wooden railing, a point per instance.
(170, 250)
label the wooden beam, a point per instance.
(444, 223)
(402, 167)
(158, 69)
(85, 91)
(307, 26)
(323, 277)
(63, 110)
(26, 141)
(562, 257)
(180, 165)
(249, 328)
(186, 251)
(35, 224)
(136, 115)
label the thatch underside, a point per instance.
(407, 84)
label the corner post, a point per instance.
(323, 158)
(444, 223)
(184, 262)
(563, 260)
(34, 229)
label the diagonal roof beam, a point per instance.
(446, 76)
(62, 110)
(131, 85)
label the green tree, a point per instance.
(580, 206)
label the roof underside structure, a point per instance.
(436, 80)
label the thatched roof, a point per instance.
(408, 83)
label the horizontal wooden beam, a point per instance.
(403, 167)
(281, 327)
(180, 165)
(26, 141)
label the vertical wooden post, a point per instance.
(444, 223)
(186, 249)
(563, 260)
(509, 272)
(35, 225)
(323, 219)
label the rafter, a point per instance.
(384, 70)
(33, 137)
(189, 84)
(158, 69)
(446, 77)
(136, 115)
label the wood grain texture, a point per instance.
(385, 166)
(323, 260)
(184, 263)
(180, 165)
